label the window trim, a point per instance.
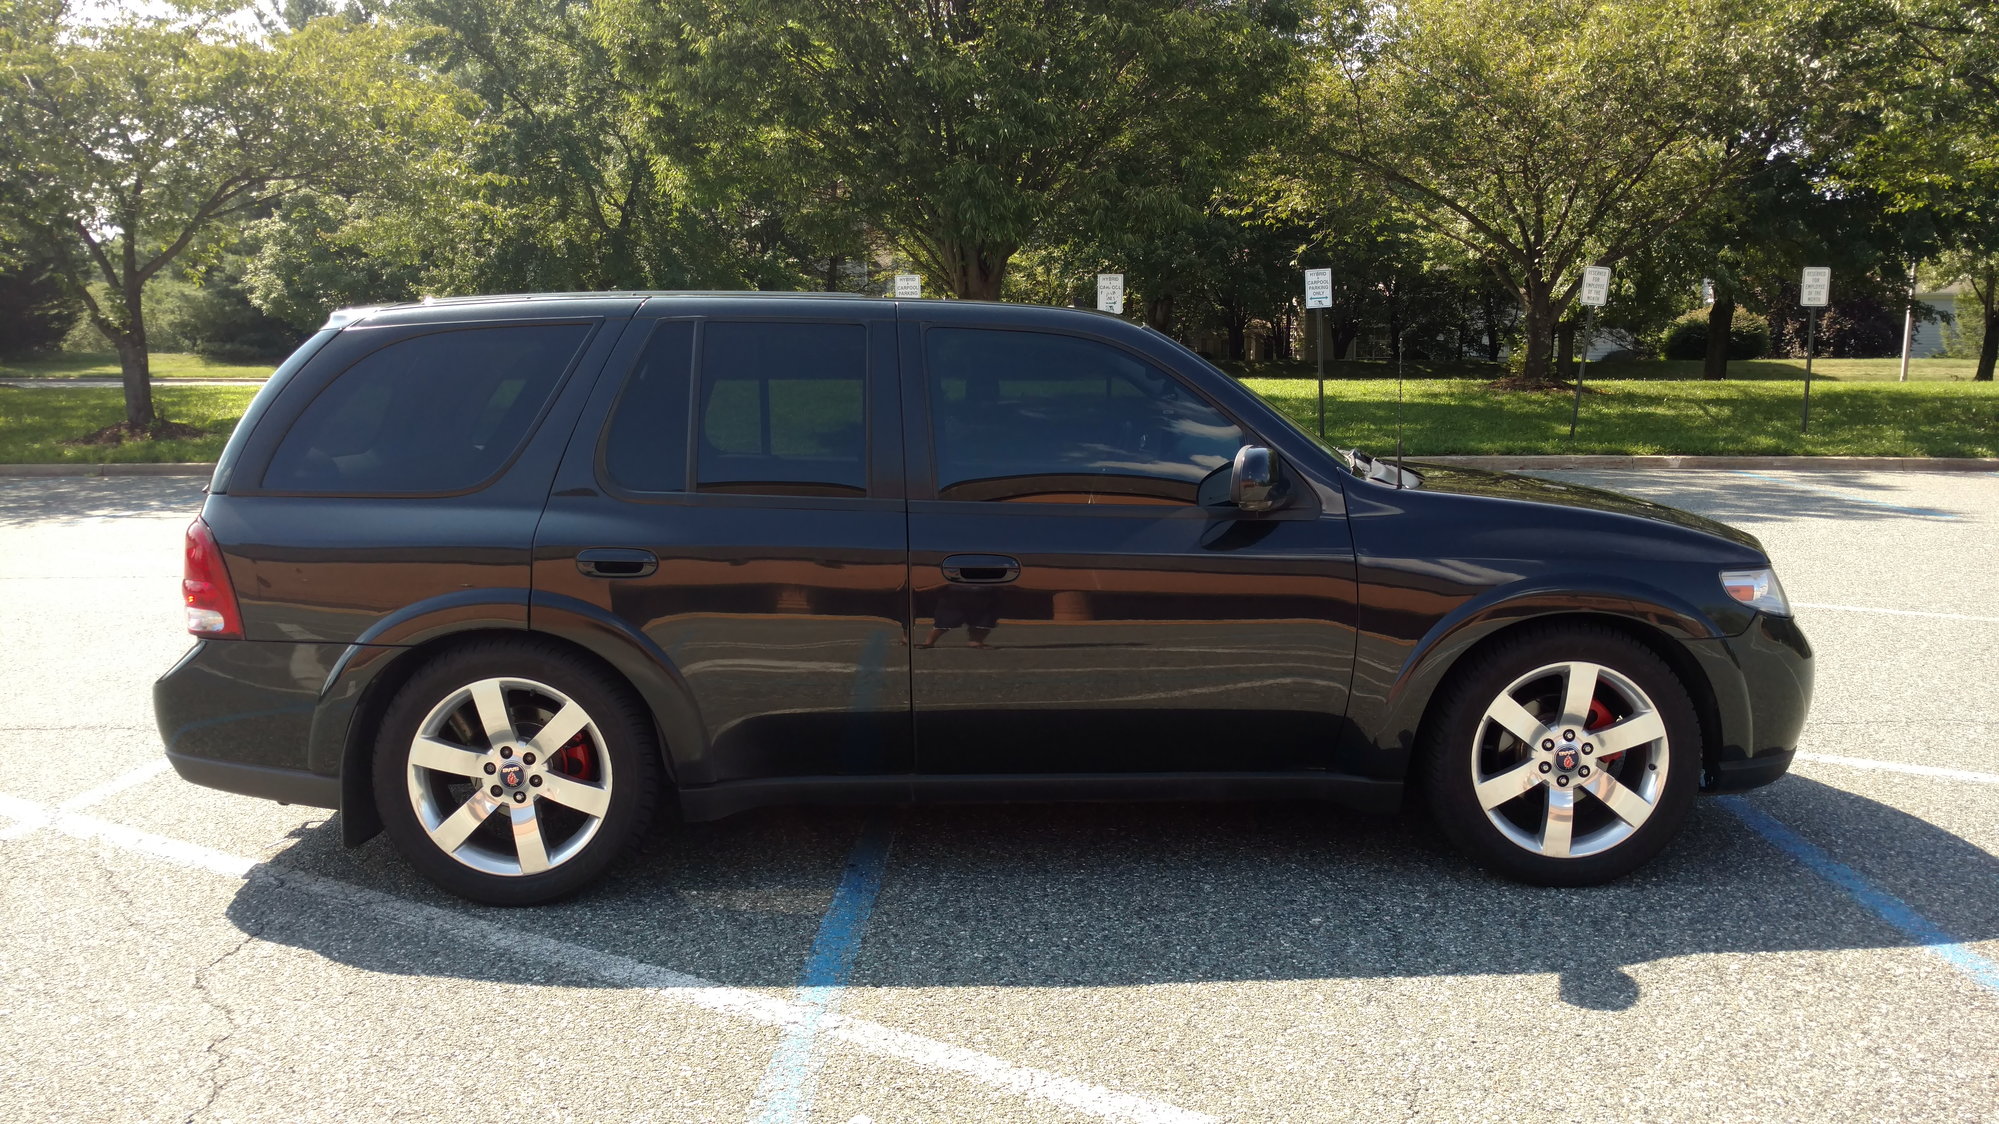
(930, 485)
(400, 334)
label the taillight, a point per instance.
(204, 584)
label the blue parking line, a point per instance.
(1881, 903)
(785, 1093)
(1928, 511)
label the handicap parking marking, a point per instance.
(785, 1094)
(622, 971)
(1928, 512)
(1928, 934)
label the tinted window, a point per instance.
(437, 413)
(781, 409)
(646, 449)
(1029, 417)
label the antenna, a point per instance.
(1398, 406)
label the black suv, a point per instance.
(502, 574)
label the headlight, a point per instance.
(1758, 589)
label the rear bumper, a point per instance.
(1762, 684)
(237, 715)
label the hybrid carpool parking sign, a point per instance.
(1110, 292)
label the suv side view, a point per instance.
(501, 575)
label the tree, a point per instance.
(36, 311)
(1549, 136)
(139, 144)
(963, 129)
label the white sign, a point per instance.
(908, 285)
(1318, 288)
(1596, 285)
(1110, 292)
(1707, 290)
(1816, 292)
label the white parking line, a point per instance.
(131, 778)
(662, 983)
(1900, 767)
(1895, 612)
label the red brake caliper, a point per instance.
(576, 760)
(1599, 717)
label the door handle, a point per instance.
(616, 562)
(980, 569)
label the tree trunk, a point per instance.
(1565, 352)
(833, 264)
(1238, 325)
(1489, 305)
(1159, 314)
(1395, 337)
(977, 271)
(1720, 322)
(1344, 333)
(1988, 349)
(1538, 328)
(133, 361)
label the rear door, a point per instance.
(1078, 608)
(734, 497)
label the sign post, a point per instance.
(1596, 291)
(1814, 293)
(1319, 298)
(1110, 293)
(908, 286)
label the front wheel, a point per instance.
(513, 773)
(1563, 757)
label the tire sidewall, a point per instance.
(627, 745)
(1449, 744)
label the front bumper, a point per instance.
(1762, 684)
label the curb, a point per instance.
(47, 470)
(1851, 464)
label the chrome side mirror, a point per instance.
(1256, 482)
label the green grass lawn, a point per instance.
(104, 365)
(1651, 370)
(1446, 416)
(34, 423)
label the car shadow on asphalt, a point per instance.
(1037, 896)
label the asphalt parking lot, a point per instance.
(1826, 948)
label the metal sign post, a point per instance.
(908, 286)
(1110, 293)
(1319, 298)
(1596, 290)
(1814, 293)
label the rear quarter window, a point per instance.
(441, 412)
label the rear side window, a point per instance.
(436, 413)
(781, 409)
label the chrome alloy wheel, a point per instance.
(517, 745)
(1561, 730)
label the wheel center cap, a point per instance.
(512, 774)
(1567, 759)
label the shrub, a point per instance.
(1748, 337)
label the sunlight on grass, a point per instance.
(34, 423)
(104, 365)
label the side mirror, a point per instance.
(1256, 482)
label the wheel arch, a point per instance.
(383, 672)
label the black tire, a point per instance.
(610, 766)
(1463, 747)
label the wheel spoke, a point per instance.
(560, 729)
(1510, 785)
(491, 703)
(459, 825)
(587, 798)
(1510, 714)
(1577, 696)
(1630, 733)
(1629, 806)
(446, 758)
(528, 843)
(1559, 824)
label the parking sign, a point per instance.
(1110, 292)
(1816, 291)
(1596, 285)
(1318, 288)
(908, 285)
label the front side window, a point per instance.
(781, 409)
(435, 413)
(1031, 417)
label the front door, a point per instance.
(1078, 608)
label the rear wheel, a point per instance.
(1563, 757)
(512, 773)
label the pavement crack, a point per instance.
(216, 1082)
